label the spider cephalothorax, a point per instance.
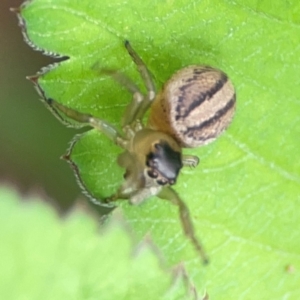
(164, 163)
(194, 107)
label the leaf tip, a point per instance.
(66, 157)
(33, 78)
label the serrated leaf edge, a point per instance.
(22, 24)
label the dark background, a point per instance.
(31, 139)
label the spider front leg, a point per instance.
(137, 108)
(190, 160)
(137, 98)
(109, 130)
(148, 81)
(186, 222)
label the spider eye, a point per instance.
(171, 181)
(152, 174)
(165, 161)
(162, 182)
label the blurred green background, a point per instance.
(31, 139)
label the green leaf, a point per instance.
(244, 197)
(45, 257)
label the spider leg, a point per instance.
(109, 130)
(190, 160)
(133, 107)
(140, 103)
(148, 81)
(186, 222)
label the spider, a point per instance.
(194, 106)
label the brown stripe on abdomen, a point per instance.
(209, 129)
(200, 93)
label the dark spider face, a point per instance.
(163, 163)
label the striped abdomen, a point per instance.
(195, 105)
